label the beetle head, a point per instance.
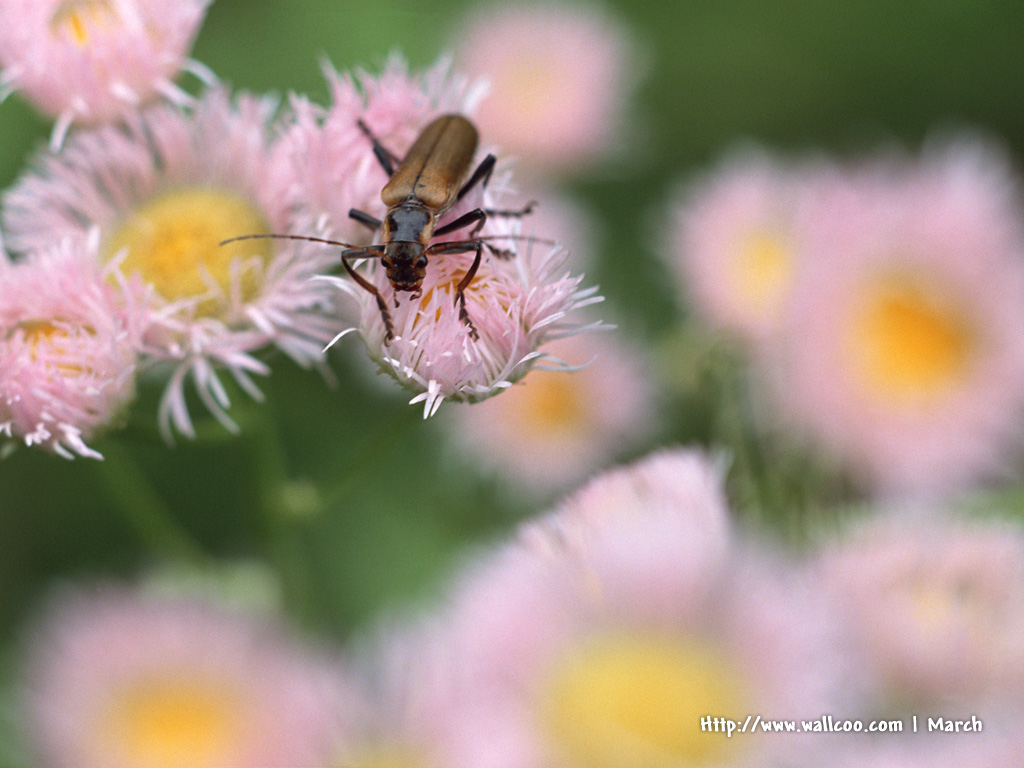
(406, 265)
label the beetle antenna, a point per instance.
(289, 237)
(531, 238)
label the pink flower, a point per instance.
(164, 191)
(607, 631)
(564, 219)
(407, 689)
(555, 427)
(902, 350)
(96, 61)
(116, 679)
(936, 609)
(737, 240)
(559, 76)
(515, 305)
(996, 746)
(68, 346)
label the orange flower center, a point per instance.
(910, 342)
(174, 723)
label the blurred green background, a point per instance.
(368, 510)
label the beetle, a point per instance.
(422, 187)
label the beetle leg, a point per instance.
(524, 211)
(481, 174)
(462, 246)
(479, 215)
(464, 220)
(385, 157)
(365, 219)
(500, 253)
(460, 291)
(385, 313)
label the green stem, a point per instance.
(733, 425)
(143, 509)
(282, 535)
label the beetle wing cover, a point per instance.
(435, 165)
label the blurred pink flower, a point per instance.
(564, 219)
(936, 609)
(116, 679)
(609, 629)
(559, 76)
(996, 746)
(556, 427)
(164, 191)
(903, 350)
(96, 61)
(68, 346)
(736, 239)
(408, 692)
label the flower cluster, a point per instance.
(156, 187)
(169, 246)
(604, 633)
(883, 300)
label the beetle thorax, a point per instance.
(406, 232)
(410, 222)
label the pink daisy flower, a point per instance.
(68, 347)
(554, 428)
(118, 680)
(164, 191)
(514, 305)
(97, 61)
(612, 641)
(936, 609)
(903, 352)
(558, 75)
(737, 237)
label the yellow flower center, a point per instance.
(447, 288)
(390, 756)
(549, 403)
(79, 18)
(173, 242)
(174, 723)
(636, 701)
(762, 269)
(910, 342)
(49, 341)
